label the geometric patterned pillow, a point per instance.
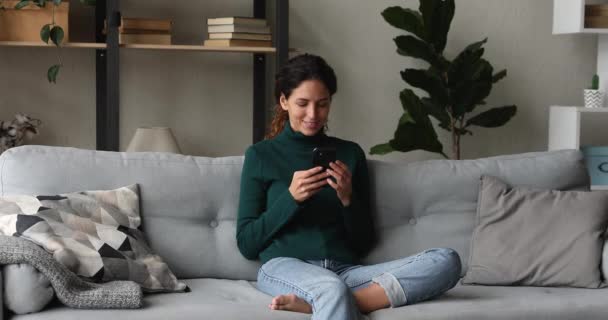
(93, 233)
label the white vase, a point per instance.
(594, 98)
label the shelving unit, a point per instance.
(569, 17)
(108, 65)
(565, 125)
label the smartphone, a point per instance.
(322, 156)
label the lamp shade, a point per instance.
(156, 139)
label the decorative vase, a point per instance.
(594, 98)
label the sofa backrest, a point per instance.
(189, 204)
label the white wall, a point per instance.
(206, 97)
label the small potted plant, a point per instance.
(594, 97)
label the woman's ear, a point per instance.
(283, 101)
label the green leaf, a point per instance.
(437, 17)
(406, 117)
(417, 133)
(41, 3)
(405, 19)
(52, 73)
(381, 149)
(412, 47)
(475, 46)
(88, 2)
(437, 111)
(469, 80)
(45, 33)
(57, 2)
(493, 118)
(498, 76)
(427, 81)
(22, 4)
(57, 35)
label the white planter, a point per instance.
(594, 98)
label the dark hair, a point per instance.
(297, 70)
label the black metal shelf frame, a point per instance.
(108, 70)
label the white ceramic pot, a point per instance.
(594, 98)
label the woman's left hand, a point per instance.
(343, 184)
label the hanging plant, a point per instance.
(51, 31)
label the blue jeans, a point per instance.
(327, 285)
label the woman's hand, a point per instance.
(305, 184)
(343, 184)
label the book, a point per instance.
(596, 22)
(145, 24)
(241, 21)
(136, 25)
(130, 38)
(139, 31)
(241, 36)
(238, 29)
(596, 10)
(237, 43)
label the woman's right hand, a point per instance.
(306, 183)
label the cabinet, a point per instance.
(108, 66)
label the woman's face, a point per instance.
(308, 107)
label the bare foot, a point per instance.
(290, 302)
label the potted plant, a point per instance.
(594, 97)
(455, 87)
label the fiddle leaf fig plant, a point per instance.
(455, 87)
(51, 31)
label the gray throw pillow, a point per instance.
(534, 237)
(26, 290)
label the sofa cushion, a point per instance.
(189, 204)
(93, 233)
(506, 303)
(208, 299)
(232, 300)
(536, 237)
(432, 203)
(25, 290)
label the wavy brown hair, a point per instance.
(297, 70)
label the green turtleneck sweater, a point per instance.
(272, 224)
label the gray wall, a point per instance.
(206, 97)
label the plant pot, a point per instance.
(594, 98)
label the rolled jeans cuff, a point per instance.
(393, 289)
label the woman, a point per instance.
(310, 227)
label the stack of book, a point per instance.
(144, 31)
(238, 32)
(596, 16)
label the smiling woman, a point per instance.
(311, 228)
(308, 84)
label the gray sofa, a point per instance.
(189, 208)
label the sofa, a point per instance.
(189, 210)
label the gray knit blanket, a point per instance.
(69, 288)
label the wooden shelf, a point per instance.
(84, 45)
(93, 45)
(198, 48)
(581, 109)
(594, 30)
